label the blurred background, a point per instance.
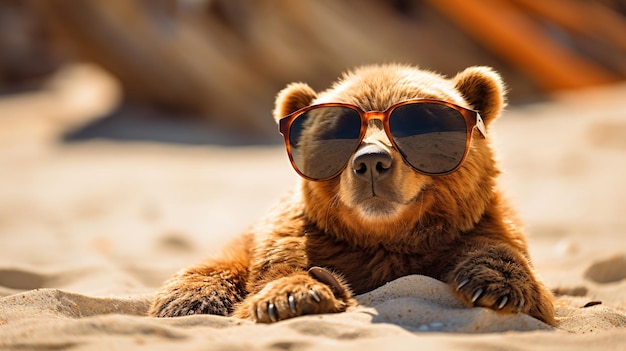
(136, 136)
(184, 69)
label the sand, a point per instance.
(89, 230)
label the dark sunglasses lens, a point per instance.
(431, 137)
(323, 140)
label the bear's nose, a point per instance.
(371, 162)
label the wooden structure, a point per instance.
(225, 59)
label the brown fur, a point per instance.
(455, 228)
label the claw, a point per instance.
(522, 302)
(256, 314)
(477, 294)
(271, 311)
(292, 304)
(503, 302)
(462, 284)
(314, 295)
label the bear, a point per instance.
(374, 218)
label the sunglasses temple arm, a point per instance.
(481, 125)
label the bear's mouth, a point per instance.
(377, 207)
(383, 205)
(383, 200)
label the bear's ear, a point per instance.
(292, 98)
(482, 87)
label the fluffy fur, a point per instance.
(365, 232)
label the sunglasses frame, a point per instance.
(472, 118)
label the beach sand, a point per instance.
(89, 230)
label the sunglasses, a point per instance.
(432, 136)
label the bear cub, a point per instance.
(374, 205)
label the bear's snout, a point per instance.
(372, 163)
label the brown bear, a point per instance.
(398, 178)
